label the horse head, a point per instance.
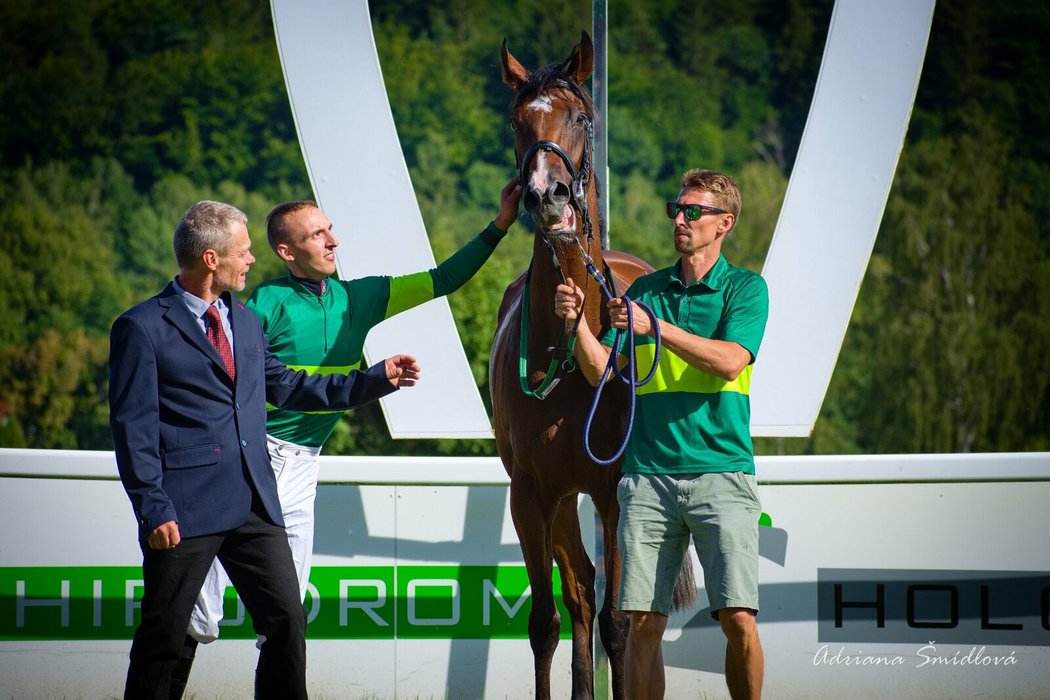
(553, 121)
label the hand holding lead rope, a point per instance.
(622, 316)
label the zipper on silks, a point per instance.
(324, 319)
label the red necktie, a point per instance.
(218, 338)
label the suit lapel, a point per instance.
(178, 314)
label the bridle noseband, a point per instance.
(580, 177)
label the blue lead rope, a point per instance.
(627, 337)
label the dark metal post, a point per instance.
(600, 92)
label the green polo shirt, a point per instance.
(687, 421)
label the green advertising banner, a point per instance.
(40, 603)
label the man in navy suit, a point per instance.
(190, 435)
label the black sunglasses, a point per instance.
(691, 211)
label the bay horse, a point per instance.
(540, 442)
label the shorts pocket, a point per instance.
(625, 486)
(749, 487)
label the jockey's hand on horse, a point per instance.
(508, 204)
(618, 317)
(402, 370)
(568, 300)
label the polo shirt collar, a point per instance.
(713, 280)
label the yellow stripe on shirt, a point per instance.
(675, 374)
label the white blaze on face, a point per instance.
(539, 179)
(542, 103)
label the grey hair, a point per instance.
(205, 225)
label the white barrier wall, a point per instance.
(890, 576)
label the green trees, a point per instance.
(116, 116)
(955, 320)
(57, 302)
(946, 348)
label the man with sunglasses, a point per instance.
(689, 466)
(319, 324)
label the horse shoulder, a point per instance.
(512, 292)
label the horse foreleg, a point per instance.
(532, 521)
(613, 624)
(577, 585)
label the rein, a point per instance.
(562, 361)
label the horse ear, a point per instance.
(580, 63)
(514, 74)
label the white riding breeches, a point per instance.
(296, 468)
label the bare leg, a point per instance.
(745, 664)
(613, 623)
(645, 659)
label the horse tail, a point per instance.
(684, 596)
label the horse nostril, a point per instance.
(558, 194)
(531, 200)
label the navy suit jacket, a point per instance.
(190, 442)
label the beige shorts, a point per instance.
(658, 515)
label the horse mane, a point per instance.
(554, 77)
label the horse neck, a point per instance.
(546, 277)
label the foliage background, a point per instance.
(116, 115)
